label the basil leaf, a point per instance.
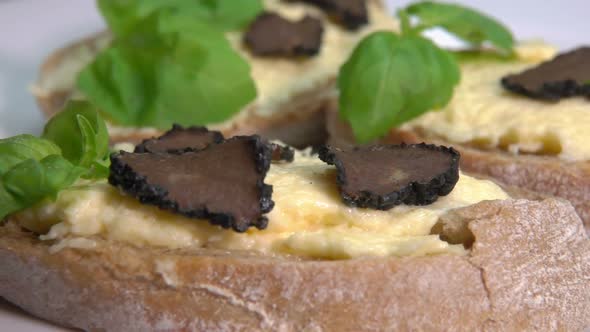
(74, 145)
(16, 149)
(231, 14)
(80, 133)
(192, 77)
(8, 204)
(478, 55)
(466, 23)
(391, 79)
(124, 17)
(98, 170)
(31, 181)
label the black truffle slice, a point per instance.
(223, 183)
(351, 14)
(383, 176)
(272, 35)
(282, 153)
(180, 139)
(566, 75)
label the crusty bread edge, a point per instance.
(541, 246)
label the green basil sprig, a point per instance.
(390, 79)
(74, 145)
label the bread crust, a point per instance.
(540, 174)
(569, 180)
(528, 270)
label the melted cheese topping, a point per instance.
(277, 80)
(308, 219)
(484, 114)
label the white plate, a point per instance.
(30, 29)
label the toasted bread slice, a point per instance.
(527, 270)
(300, 121)
(536, 174)
(297, 120)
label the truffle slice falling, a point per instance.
(351, 14)
(272, 35)
(566, 75)
(223, 183)
(383, 176)
(180, 139)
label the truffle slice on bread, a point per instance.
(222, 182)
(567, 75)
(383, 176)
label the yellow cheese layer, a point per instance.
(277, 80)
(308, 219)
(483, 113)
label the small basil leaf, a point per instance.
(59, 174)
(89, 142)
(478, 55)
(31, 181)
(8, 204)
(231, 15)
(33, 169)
(466, 23)
(80, 132)
(124, 17)
(389, 80)
(98, 170)
(192, 77)
(119, 15)
(16, 149)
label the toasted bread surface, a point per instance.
(528, 270)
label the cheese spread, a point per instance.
(309, 219)
(482, 113)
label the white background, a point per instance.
(30, 29)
